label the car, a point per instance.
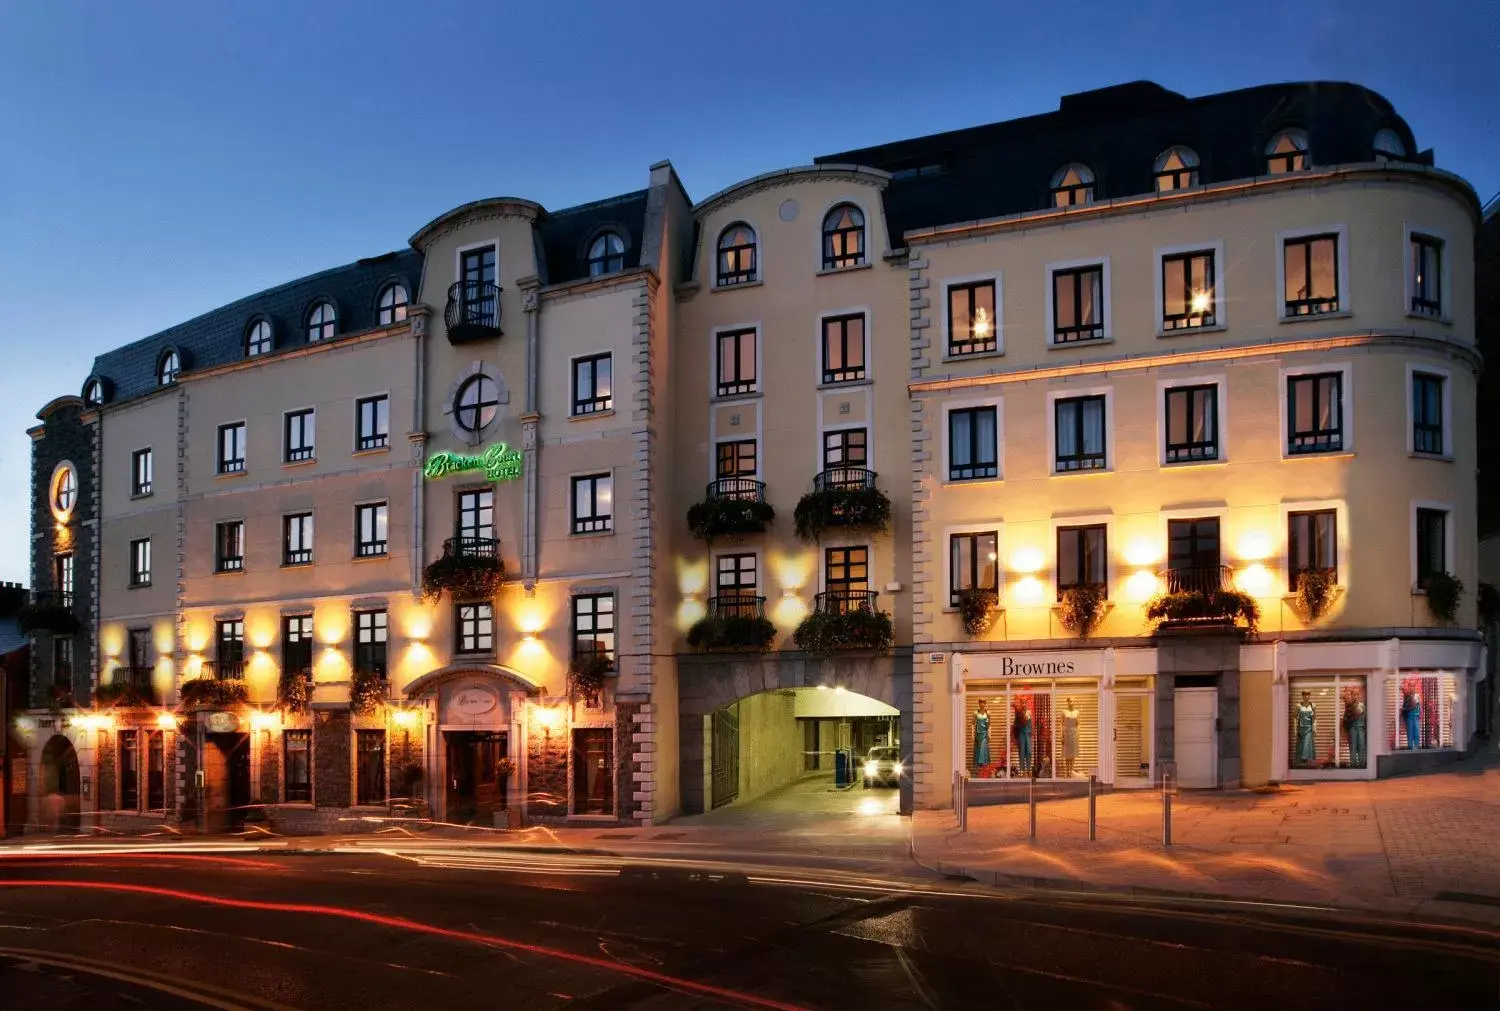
(883, 767)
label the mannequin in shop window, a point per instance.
(982, 735)
(1069, 736)
(1411, 713)
(1355, 722)
(1307, 721)
(1023, 735)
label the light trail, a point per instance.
(663, 980)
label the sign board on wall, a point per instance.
(470, 702)
(498, 462)
(1055, 664)
(220, 723)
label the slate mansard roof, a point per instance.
(218, 337)
(565, 235)
(1007, 168)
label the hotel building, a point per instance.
(1133, 439)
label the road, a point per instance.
(455, 928)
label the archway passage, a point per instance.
(794, 756)
(60, 785)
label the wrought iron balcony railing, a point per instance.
(51, 598)
(845, 601)
(473, 311)
(223, 670)
(740, 489)
(844, 479)
(471, 547)
(1199, 579)
(736, 606)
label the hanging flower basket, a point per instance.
(823, 634)
(723, 516)
(866, 508)
(1082, 608)
(367, 693)
(294, 692)
(732, 632)
(1204, 607)
(978, 609)
(120, 693)
(1315, 592)
(462, 576)
(1444, 591)
(201, 692)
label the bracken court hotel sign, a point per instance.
(498, 462)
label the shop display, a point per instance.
(1307, 719)
(1069, 736)
(1325, 722)
(1050, 727)
(1354, 724)
(1423, 711)
(982, 735)
(1411, 712)
(1022, 730)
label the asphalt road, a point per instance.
(373, 931)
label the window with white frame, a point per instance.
(1078, 304)
(1191, 416)
(140, 562)
(1079, 427)
(593, 503)
(1188, 290)
(299, 435)
(973, 563)
(1315, 413)
(1426, 275)
(972, 324)
(1310, 275)
(844, 348)
(973, 438)
(736, 362)
(1428, 403)
(1312, 544)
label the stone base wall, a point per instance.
(547, 776)
(106, 797)
(632, 762)
(333, 776)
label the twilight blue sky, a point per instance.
(165, 158)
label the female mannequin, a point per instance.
(982, 735)
(1356, 716)
(1069, 736)
(1307, 718)
(1023, 736)
(1411, 712)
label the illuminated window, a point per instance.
(606, 254)
(297, 745)
(1072, 185)
(736, 255)
(1078, 304)
(1187, 290)
(1287, 152)
(258, 339)
(844, 348)
(972, 326)
(1176, 168)
(1193, 554)
(1082, 557)
(64, 491)
(62, 573)
(846, 579)
(1426, 275)
(843, 237)
(594, 626)
(736, 361)
(1310, 266)
(168, 368)
(321, 321)
(973, 563)
(1311, 544)
(593, 503)
(477, 403)
(392, 304)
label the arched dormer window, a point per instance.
(1176, 168)
(843, 237)
(1286, 152)
(1072, 185)
(606, 254)
(258, 339)
(168, 368)
(391, 306)
(1387, 144)
(321, 321)
(93, 392)
(736, 259)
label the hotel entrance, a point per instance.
(475, 788)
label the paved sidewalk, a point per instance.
(1425, 844)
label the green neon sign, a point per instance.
(499, 463)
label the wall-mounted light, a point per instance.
(166, 721)
(1028, 590)
(405, 718)
(265, 721)
(548, 718)
(1254, 579)
(1027, 560)
(1255, 546)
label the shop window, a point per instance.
(593, 771)
(844, 348)
(156, 771)
(972, 438)
(1048, 728)
(973, 563)
(1133, 730)
(1315, 413)
(1080, 443)
(847, 447)
(1310, 275)
(737, 368)
(1078, 304)
(1422, 708)
(1192, 423)
(972, 324)
(297, 746)
(369, 746)
(1328, 723)
(1187, 290)
(130, 770)
(1312, 544)
(1082, 557)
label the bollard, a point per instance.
(1031, 801)
(963, 804)
(1166, 812)
(1093, 812)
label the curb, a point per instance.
(1000, 879)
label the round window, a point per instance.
(64, 491)
(477, 403)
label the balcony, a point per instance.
(734, 623)
(1201, 597)
(222, 670)
(468, 569)
(731, 505)
(473, 312)
(49, 611)
(844, 620)
(128, 686)
(844, 497)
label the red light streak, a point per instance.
(400, 923)
(85, 855)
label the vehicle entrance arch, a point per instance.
(60, 785)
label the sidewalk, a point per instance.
(1426, 844)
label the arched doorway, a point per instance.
(60, 785)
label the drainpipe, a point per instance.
(531, 303)
(418, 316)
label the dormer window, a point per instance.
(843, 237)
(1388, 144)
(606, 254)
(1287, 152)
(258, 339)
(392, 304)
(736, 259)
(321, 322)
(1073, 185)
(1176, 169)
(93, 393)
(168, 368)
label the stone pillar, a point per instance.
(104, 765)
(270, 767)
(332, 774)
(547, 775)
